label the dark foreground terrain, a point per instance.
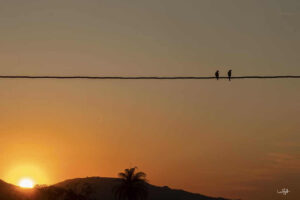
(94, 188)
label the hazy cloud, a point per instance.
(285, 160)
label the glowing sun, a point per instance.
(26, 183)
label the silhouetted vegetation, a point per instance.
(133, 185)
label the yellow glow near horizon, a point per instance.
(21, 172)
(26, 183)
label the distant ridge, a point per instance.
(98, 188)
(12, 192)
(91, 188)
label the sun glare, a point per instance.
(26, 183)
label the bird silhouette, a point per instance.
(217, 74)
(229, 75)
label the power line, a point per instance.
(148, 77)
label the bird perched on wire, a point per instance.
(229, 74)
(217, 74)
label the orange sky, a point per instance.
(236, 139)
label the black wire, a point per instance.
(146, 77)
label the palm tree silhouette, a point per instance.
(133, 185)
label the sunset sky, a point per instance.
(238, 139)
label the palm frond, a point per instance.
(133, 186)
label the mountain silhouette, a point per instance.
(96, 188)
(90, 188)
(12, 192)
